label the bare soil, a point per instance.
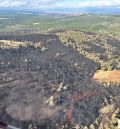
(107, 76)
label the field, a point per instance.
(105, 24)
(60, 71)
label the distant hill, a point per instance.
(96, 23)
(84, 10)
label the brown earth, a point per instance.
(107, 76)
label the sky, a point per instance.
(48, 4)
(63, 6)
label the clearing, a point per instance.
(107, 76)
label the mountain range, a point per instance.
(94, 10)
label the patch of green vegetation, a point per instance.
(103, 24)
(96, 47)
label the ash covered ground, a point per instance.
(49, 87)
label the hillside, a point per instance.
(99, 48)
(46, 80)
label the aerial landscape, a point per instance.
(59, 64)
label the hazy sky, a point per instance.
(44, 4)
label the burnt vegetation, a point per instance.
(46, 80)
